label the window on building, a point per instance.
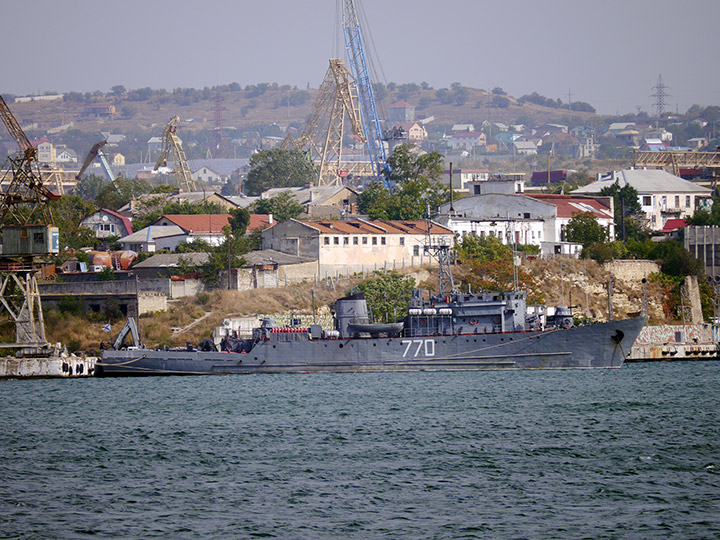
(416, 250)
(355, 241)
(677, 201)
(687, 201)
(336, 240)
(374, 240)
(346, 240)
(402, 240)
(647, 200)
(382, 240)
(327, 240)
(364, 240)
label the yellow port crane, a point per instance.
(171, 143)
(322, 136)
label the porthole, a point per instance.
(341, 345)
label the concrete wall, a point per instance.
(631, 271)
(297, 273)
(151, 303)
(675, 342)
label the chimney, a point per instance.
(270, 218)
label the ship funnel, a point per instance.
(351, 309)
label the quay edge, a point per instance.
(47, 367)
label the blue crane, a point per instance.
(368, 112)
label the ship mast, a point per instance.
(441, 253)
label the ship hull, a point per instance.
(603, 345)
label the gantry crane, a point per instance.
(368, 112)
(28, 236)
(324, 129)
(676, 160)
(171, 143)
(96, 152)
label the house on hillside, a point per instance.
(401, 111)
(207, 175)
(151, 239)
(45, 151)
(356, 245)
(66, 155)
(661, 195)
(106, 223)
(99, 111)
(320, 201)
(467, 140)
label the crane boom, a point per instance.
(96, 152)
(13, 127)
(26, 188)
(171, 143)
(366, 97)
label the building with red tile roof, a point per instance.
(357, 244)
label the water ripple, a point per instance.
(626, 453)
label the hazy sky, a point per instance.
(608, 53)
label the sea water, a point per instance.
(630, 453)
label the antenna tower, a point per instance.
(660, 96)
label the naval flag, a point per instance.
(107, 327)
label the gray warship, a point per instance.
(444, 332)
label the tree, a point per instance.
(282, 207)
(627, 204)
(388, 295)
(89, 187)
(676, 260)
(278, 168)
(416, 185)
(120, 192)
(68, 212)
(584, 229)
(499, 102)
(118, 90)
(482, 249)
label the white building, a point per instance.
(661, 195)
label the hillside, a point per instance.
(243, 109)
